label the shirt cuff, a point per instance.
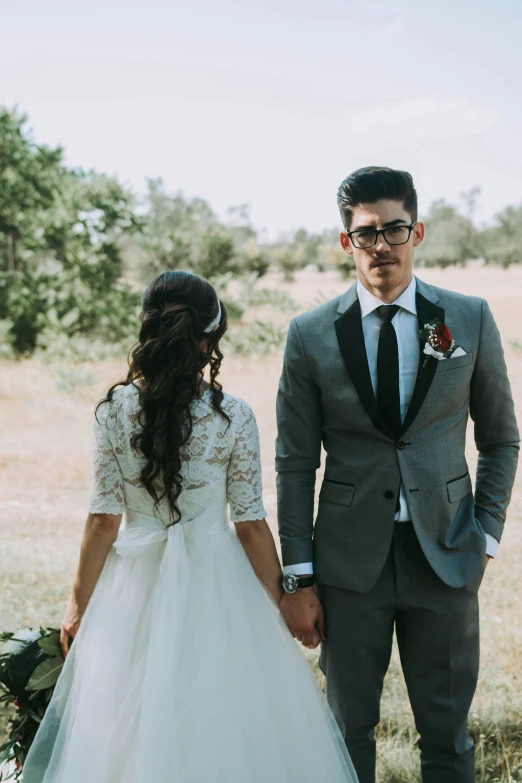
(299, 569)
(491, 545)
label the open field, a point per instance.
(45, 438)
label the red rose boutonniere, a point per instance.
(438, 341)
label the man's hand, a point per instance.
(304, 615)
(488, 558)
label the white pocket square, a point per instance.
(456, 353)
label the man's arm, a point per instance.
(496, 432)
(298, 451)
(298, 455)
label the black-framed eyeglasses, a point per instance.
(364, 238)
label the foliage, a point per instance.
(76, 247)
(252, 295)
(241, 296)
(253, 256)
(59, 232)
(30, 664)
(450, 237)
(28, 180)
(502, 242)
(302, 249)
(50, 301)
(334, 257)
(181, 233)
(257, 339)
(68, 239)
(453, 238)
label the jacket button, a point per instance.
(401, 445)
(388, 494)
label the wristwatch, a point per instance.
(292, 583)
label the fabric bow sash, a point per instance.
(159, 673)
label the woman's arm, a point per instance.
(258, 543)
(98, 537)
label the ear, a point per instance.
(418, 234)
(346, 243)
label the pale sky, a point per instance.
(274, 103)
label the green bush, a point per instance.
(257, 339)
(450, 238)
(502, 243)
(182, 233)
(60, 234)
(48, 302)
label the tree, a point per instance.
(28, 178)
(289, 258)
(170, 223)
(502, 242)
(182, 233)
(309, 245)
(450, 237)
(253, 257)
(60, 230)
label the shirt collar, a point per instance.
(369, 302)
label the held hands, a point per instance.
(304, 616)
(70, 624)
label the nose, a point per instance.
(381, 245)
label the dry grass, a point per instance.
(45, 426)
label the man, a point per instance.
(400, 541)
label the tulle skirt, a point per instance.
(183, 671)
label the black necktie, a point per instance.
(388, 396)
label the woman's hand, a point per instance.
(98, 537)
(70, 624)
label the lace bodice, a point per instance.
(218, 461)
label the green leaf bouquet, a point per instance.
(30, 664)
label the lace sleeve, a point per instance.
(107, 495)
(244, 482)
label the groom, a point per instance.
(400, 541)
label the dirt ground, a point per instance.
(45, 454)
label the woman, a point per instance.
(182, 669)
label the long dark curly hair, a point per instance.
(166, 367)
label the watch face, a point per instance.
(291, 583)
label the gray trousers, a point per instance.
(437, 631)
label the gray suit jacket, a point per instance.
(326, 398)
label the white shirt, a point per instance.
(406, 326)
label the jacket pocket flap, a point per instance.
(459, 488)
(336, 492)
(454, 364)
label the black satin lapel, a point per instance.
(426, 311)
(350, 337)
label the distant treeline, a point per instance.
(76, 246)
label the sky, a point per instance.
(273, 104)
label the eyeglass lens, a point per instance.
(395, 235)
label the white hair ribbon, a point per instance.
(215, 322)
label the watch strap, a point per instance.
(306, 581)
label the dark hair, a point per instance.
(177, 307)
(373, 183)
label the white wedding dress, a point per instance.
(183, 670)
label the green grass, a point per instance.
(497, 732)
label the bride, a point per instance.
(182, 669)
